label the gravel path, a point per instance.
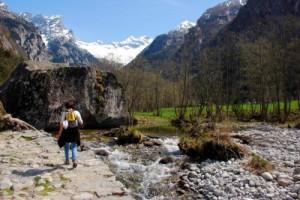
(31, 168)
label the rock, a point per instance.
(22, 37)
(297, 163)
(41, 181)
(192, 175)
(157, 142)
(180, 191)
(83, 147)
(297, 170)
(83, 196)
(148, 143)
(5, 184)
(101, 152)
(267, 176)
(98, 95)
(284, 182)
(167, 160)
(129, 137)
(39, 188)
(218, 193)
(297, 177)
(289, 164)
(297, 126)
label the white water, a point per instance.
(149, 174)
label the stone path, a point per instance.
(31, 168)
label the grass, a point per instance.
(149, 123)
(152, 125)
(64, 179)
(169, 113)
(28, 138)
(210, 146)
(47, 186)
(259, 164)
(8, 191)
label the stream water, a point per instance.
(138, 167)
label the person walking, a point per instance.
(68, 134)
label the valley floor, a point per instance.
(31, 167)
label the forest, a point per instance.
(244, 76)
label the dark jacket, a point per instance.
(69, 135)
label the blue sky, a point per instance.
(114, 20)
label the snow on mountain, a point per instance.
(51, 27)
(226, 9)
(3, 6)
(185, 26)
(120, 52)
(124, 52)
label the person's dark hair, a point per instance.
(70, 105)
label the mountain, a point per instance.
(163, 47)
(119, 52)
(19, 40)
(60, 41)
(271, 19)
(20, 37)
(65, 47)
(255, 59)
(168, 51)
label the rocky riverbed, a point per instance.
(232, 180)
(31, 167)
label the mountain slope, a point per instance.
(19, 40)
(60, 41)
(254, 59)
(20, 37)
(156, 57)
(166, 56)
(272, 19)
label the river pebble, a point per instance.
(232, 180)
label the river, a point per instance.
(138, 167)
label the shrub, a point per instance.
(259, 165)
(129, 137)
(211, 146)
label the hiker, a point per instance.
(68, 134)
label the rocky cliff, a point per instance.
(21, 37)
(60, 41)
(38, 96)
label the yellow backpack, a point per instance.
(70, 116)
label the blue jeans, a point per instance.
(74, 151)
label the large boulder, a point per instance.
(38, 96)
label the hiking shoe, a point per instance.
(74, 164)
(67, 162)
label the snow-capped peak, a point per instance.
(185, 26)
(3, 6)
(229, 3)
(182, 28)
(120, 52)
(51, 27)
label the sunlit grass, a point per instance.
(170, 113)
